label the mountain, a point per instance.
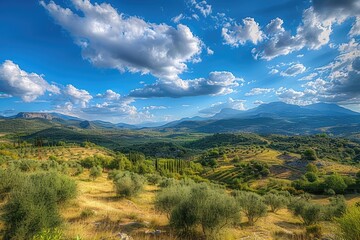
(284, 110)
(277, 117)
(31, 115)
(331, 109)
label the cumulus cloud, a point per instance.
(236, 34)
(202, 6)
(291, 96)
(218, 83)
(336, 10)
(293, 70)
(338, 81)
(109, 95)
(259, 91)
(28, 86)
(111, 39)
(230, 103)
(76, 96)
(314, 30)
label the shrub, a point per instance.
(311, 176)
(95, 172)
(128, 184)
(153, 179)
(33, 205)
(309, 154)
(252, 205)
(86, 213)
(275, 201)
(314, 231)
(336, 183)
(349, 224)
(336, 208)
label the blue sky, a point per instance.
(136, 61)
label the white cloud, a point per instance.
(313, 32)
(258, 102)
(109, 95)
(209, 51)
(203, 7)
(355, 29)
(230, 103)
(113, 40)
(178, 18)
(76, 96)
(218, 83)
(28, 86)
(235, 34)
(291, 96)
(259, 91)
(293, 70)
(273, 71)
(309, 77)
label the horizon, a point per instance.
(166, 122)
(137, 62)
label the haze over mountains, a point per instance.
(271, 118)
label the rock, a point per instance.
(124, 236)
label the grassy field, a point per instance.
(98, 214)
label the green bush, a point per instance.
(170, 197)
(335, 209)
(349, 224)
(252, 205)
(314, 231)
(33, 205)
(95, 172)
(128, 184)
(311, 176)
(309, 154)
(336, 183)
(211, 209)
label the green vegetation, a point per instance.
(189, 185)
(350, 224)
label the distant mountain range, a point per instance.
(276, 117)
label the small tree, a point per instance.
(128, 184)
(275, 201)
(252, 205)
(95, 172)
(310, 213)
(170, 197)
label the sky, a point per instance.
(137, 61)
